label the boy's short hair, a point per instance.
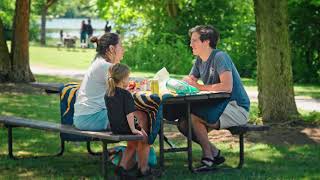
(207, 32)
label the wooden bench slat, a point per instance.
(248, 127)
(235, 129)
(49, 87)
(50, 126)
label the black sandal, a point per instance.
(218, 159)
(207, 165)
(120, 171)
(150, 172)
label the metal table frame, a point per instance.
(186, 100)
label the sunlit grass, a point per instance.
(61, 58)
(262, 161)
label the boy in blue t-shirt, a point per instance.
(218, 73)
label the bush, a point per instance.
(149, 55)
(34, 31)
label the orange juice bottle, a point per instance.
(154, 85)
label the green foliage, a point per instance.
(6, 14)
(305, 35)
(165, 20)
(146, 54)
(235, 21)
(34, 30)
(67, 9)
(7, 10)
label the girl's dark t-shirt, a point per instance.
(118, 107)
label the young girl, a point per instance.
(122, 113)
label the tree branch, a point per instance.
(49, 3)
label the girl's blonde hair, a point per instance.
(117, 73)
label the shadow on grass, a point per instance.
(261, 162)
(28, 143)
(263, 159)
(282, 153)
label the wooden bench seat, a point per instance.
(106, 137)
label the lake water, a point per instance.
(72, 26)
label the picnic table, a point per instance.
(69, 41)
(187, 100)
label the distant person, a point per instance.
(61, 35)
(90, 33)
(83, 34)
(107, 28)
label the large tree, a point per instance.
(275, 84)
(14, 67)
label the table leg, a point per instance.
(189, 137)
(161, 144)
(105, 159)
(10, 153)
(241, 153)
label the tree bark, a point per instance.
(4, 56)
(20, 69)
(275, 84)
(44, 11)
(172, 8)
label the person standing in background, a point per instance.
(107, 28)
(61, 35)
(90, 33)
(83, 35)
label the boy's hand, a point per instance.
(189, 80)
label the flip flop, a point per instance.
(207, 165)
(218, 159)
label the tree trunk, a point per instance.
(20, 70)
(275, 84)
(43, 25)
(4, 56)
(172, 7)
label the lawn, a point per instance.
(263, 159)
(61, 58)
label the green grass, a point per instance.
(262, 160)
(63, 58)
(308, 90)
